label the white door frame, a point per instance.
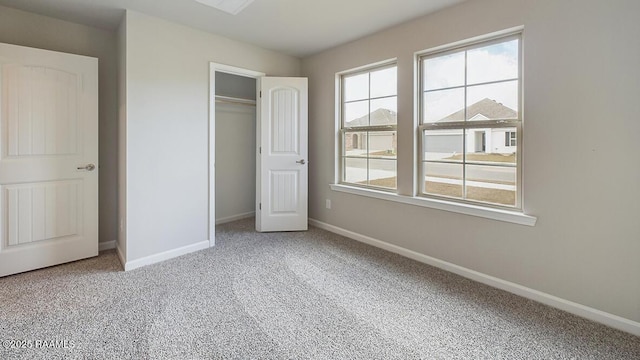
(213, 68)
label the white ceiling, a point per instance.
(295, 27)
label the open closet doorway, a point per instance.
(232, 139)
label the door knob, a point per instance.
(301, 162)
(89, 167)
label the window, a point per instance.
(368, 124)
(510, 138)
(469, 129)
(470, 122)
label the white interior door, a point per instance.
(282, 169)
(48, 158)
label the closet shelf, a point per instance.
(234, 100)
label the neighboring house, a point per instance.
(501, 141)
(378, 141)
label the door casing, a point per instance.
(213, 68)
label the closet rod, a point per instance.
(234, 100)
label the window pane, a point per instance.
(491, 184)
(443, 145)
(384, 82)
(490, 146)
(383, 144)
(384, 111)
(382, 173)
(355, 171)
(354, 143)
(442, 179)
(356, 113)
(443, 71)
(443, 106)
(479, 83)
(356, 87)
(495, 101)
(493, 63)
(370, 99)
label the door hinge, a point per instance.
(260, 206)
(260, 94)
(260, 150)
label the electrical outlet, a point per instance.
(328, 203)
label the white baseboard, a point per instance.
(107, 245)
(170, 254)
(596, 315)
(235, 217)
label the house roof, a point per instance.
(482, 110)
(487, 108)
(378, 117)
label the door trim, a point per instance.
(213, 68)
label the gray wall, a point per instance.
(235, 86)
(235, 148)
(27, 29)
(581, 84)
(167, 115)
(235, 161)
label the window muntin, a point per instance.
(510, 138)
(470, 122)
(368, 124)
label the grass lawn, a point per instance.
(494, 196)
(483, 157)
(386, 182)
(382, 153)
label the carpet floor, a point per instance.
(312, 295)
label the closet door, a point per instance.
(48, 158)
(282, 170)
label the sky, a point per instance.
(485, 64)
(383, 88)
(491, 63)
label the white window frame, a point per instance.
(509, 139)
(342, 131)
(466, 125)
(510, 215)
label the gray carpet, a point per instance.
(313, 295)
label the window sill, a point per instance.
(473, 210)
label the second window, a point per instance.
(368, 127)
(471, 123)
